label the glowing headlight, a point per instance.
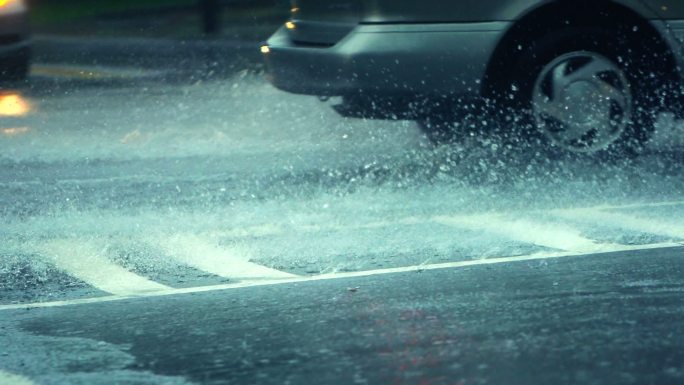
(12, 104)
(12, 6)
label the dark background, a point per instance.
(250, 20)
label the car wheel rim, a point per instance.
(582, 102)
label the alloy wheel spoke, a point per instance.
(559, 80)
(574, 132)
(589, 98)
(611, 93)
(552, 108)
(590, 70)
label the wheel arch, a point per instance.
(559, 14)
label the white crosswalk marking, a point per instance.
(636, 206)
(204, 254)
(13, 379)
(565, 232)
(553, 236)
(623, 221)
(334, 276)
(87, 262)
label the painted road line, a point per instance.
(279, 229)
(87, 262)
(334, 276)
(624, 221)
(13, 379)
(89, 72)
(206, 254)
(635, 206)
(554, 236)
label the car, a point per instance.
(15, 45)
(581, 77)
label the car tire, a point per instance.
(584, 91)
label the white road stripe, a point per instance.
(549, 235)
(624, 221)
(635, 206)
(335, 276)
(279, 229)
(90, 72)
(85, 261)
(276, 230)
(13, 379)
(204, 254)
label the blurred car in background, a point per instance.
(15, 50)
(583, 76)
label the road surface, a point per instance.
(176, 219)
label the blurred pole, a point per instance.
(210, 10)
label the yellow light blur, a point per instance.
(13, 105)
(290, 25)
(265, 49)
(294, 9)
(4, 2)
(15, 131)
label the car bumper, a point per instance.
(14, 34)
(425, 59)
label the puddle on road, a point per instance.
(68, 359)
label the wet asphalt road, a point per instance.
(610, 319)
(162, 168)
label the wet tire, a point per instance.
(586, 92)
